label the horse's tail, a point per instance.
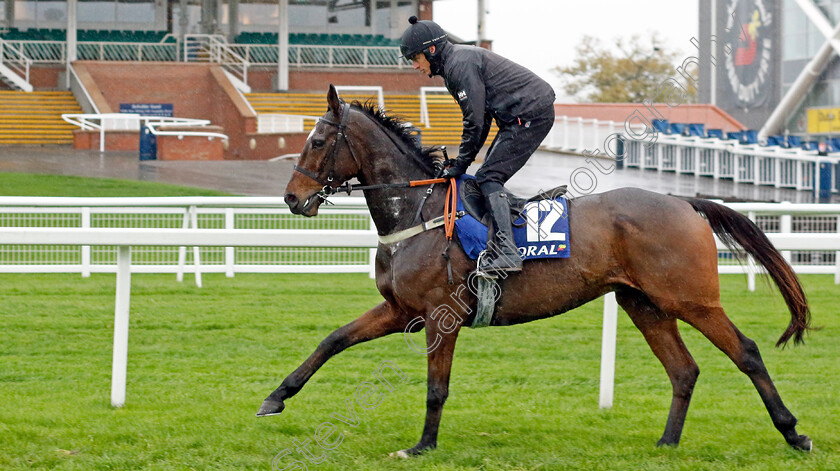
(741, 235)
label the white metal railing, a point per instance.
(727, 159)
(15, 61)
(302, 55)
(214, 48)
(578, 135)
(275, 122)
(778, 220)
(123, 51)
(227, 213)
(42, 52)
(377, 89)
(81, 92)
(424, 102)
(103, 122)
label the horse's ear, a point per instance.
(333, 101)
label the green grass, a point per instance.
(30, 184)
(522, 397)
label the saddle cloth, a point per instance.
(540, 226)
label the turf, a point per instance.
(525, 397)
(30, 184)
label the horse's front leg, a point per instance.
(382, 320)
(440, 344)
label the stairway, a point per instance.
(444, 114)
(35, 117)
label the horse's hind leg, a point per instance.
(378, 322)
(664, 339)
(714, 324)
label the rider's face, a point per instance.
(419, 62)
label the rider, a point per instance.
(486, 87)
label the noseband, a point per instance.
(328, 187)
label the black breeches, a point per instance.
(513, 146)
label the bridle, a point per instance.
(450, 212)
(327, 184)
(330, 159)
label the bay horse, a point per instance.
(656, 252)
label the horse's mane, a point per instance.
(397, 127)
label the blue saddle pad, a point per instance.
(544, 234)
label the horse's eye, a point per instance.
(317, 143)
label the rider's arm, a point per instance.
(468, 89)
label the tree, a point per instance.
(629, 72)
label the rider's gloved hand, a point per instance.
(458, 167)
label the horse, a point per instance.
(656, 252)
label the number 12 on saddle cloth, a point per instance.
(541, 230)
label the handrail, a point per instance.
(217, 50)
(300, 55)
(131, 121)
(424, 104)
(88, 99)
(15, 60)
(364, 88)
(268, 123)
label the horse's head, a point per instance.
(326, 161)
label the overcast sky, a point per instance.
(542, 34)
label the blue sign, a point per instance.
(541, 231)
(546, 231)
(163, 110)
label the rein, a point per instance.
(450, 213)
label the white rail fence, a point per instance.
(240, 234)
(301, 56)
(219, 213)
(724, 159)
(578, 135)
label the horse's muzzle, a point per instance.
(307, 207)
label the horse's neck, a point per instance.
(392, 209)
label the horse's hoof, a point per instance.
(413, 451)
(270, 407)
(802, 442)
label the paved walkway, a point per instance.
(261, 178)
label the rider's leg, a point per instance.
(513, 146)
(502, 249)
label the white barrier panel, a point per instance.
(786, 240)
(125, 238)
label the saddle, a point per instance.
(473, 200)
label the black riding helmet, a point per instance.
(419, 37)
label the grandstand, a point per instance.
(35, 118)
(445, 121)
(761, 121)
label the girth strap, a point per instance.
(414, 230)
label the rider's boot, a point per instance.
(503, 255)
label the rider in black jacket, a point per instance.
(487, 87)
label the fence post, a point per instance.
(229, 251)
(196, 249)
(837, 259)
(786, 227)
(608, 351)
(182, 251)
(751, 267)
(86, 248)
(121, 310)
